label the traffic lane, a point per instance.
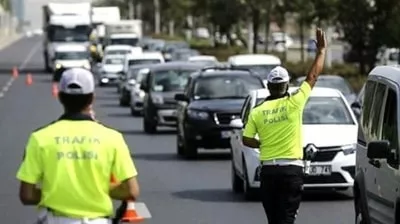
(179, 191)
(22, 110)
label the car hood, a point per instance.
(112, 68)
(351, 98)
(216, 105)
(329, 135)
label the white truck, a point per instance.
(65, 23)
(100, 17)
(124, 32)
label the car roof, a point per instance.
(124, 35)
(316, 92)
(118, 47)
(223, 72)
(145, 55)
(176, 65)
(71, 47)
(203, 57)
(140, 66)
(251, 59)
(390, 72)
(322, 76)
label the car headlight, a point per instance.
(132, 82)
(86, 65)
(349, 149)
(201, 115)
(58, 66)
(93, 49)
(140, 94)
(157, 99)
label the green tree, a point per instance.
(369, 25)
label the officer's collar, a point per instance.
(276, 97)
(76, 117)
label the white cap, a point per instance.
(278, 75)
(77, 81)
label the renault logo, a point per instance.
(310, 151)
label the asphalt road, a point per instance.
(175, 191)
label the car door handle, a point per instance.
(375, 163)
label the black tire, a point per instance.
(237, 182)
(179, 146)
(149, 127)
(135, 113)
(249, 193)
(360, 215)
(190, 149)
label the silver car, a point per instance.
(129, 83)
(136, 94)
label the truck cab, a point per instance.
(65, 23)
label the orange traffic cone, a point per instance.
(15, 72)
(54, 90)
(28, 80)
(131, 216)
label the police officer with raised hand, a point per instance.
(73, 159)
(278, 124)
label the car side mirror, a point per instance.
(144, 87)
(356, 105)
(378, 150)
(181, 97)
(236, 123)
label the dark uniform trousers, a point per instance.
(281, 191)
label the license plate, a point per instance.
(320, 170)
(226, 134)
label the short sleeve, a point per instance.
(31, 169)
(123, 167)
(250, 130)
(300, 96)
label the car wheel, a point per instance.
(149, 127)
(360, 219)
(179, 145)
(189, 148)
(134, 112)
(249, 192)
(237, 182)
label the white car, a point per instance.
(110, 69)
(328, 124)
(204, 58)
(122, 50)
(259, 63)
(144, 58)
(70, 56)
(137, 95)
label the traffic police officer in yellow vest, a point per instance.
(73, 159)
(278, 123)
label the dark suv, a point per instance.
(161, 84)
(212, 99)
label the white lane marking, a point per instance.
(23, 65)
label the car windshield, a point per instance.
(133, 74)
(334, 83)
(124, 41)
(324, 110)
(143, 61)
(225, 87)
(118, 52)
(262, 70)
(78, 55)
(170, 80)
(114, 61)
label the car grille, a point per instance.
(325, 154)
(226, 118)
(335, 178)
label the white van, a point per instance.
(259, 63)
(71, 56)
